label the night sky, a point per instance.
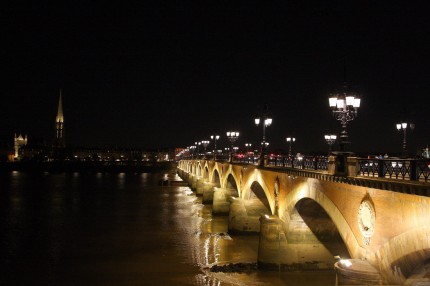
(151, 74)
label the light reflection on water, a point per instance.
(119, 229)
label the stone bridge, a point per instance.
(371, 230)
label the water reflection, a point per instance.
(118, 229)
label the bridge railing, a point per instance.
(304, 162)
(390, 168)
(246, 159)
(399, 169)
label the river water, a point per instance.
(120, 229)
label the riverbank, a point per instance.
(88, 166)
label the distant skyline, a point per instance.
(144, 74)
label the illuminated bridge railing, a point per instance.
(394, 169)
(319, 163)
(398, 169)
(303, 163)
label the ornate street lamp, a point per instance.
(193, 150)
(215, 138)
(345, 108)
(330, 139)
(266, 144)
(247, 146)
(404, 126)
(232, 136)
(226, 152)
(267, 121)
(235, 148)
(290, 141)
(198, 148)
(205, 144)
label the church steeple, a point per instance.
(60, 117)
(59, 125)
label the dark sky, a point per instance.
(168, 73)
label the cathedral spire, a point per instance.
(60, 117)
(59, 125)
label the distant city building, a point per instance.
(121, 155)
(59, 126)
(18, 142)
(41, 151)
(425, 152)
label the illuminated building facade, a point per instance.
(18, 142)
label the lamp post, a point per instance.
(330, 139)
(205, 144)
(198, 148)
(247, 146)
(235, 148)
(232, 136)
(187, 152)
(226, 151)
(264, 145)
(267, 121)
(404, 126)
(193, 150)
(345, 108)
(215, 138)
(290, 141)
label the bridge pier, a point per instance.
(184, 175)
(194, 181)
(296, 246)
(180, 172)
(203, 186)
(243, 217)
(280, 251)
(221, 205)
(221, 201)
(206, 190)
(356, 272)
(272, 243)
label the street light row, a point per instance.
(344, 107)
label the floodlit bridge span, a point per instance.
(378, 229)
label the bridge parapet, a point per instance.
(410, 176)
(399, 169)
(345, 164)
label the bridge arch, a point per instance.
(206, 173)
(230, 180)
(302, 196)
(199, 169)
(215, 178)
(263, 193)
(276, 192)
(193, 168)
(257, 198)
(403, 255)
(310, 223)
